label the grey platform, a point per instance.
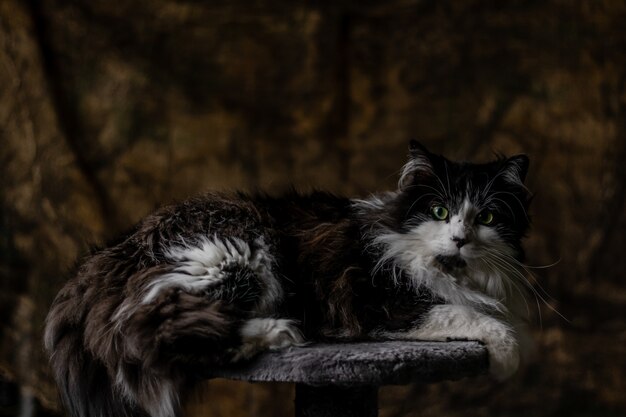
(342, 380)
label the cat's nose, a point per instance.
(460, 241)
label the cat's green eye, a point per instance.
(439, 212)
(485, 217)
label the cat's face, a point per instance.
(462, 217)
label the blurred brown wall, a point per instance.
(109, 109)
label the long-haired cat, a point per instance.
(221, 277)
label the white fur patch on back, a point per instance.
(200, 266)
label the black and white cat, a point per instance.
(221, 277)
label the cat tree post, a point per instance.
(342, 380)
(333, 401)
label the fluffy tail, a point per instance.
(85, 387)
(114, 361)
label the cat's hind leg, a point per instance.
(236, 275)
(199, 310)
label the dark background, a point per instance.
(109, 109)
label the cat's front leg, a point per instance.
(445, 322)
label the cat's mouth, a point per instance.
(450, 263)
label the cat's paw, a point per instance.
(453, 322)
(267, 334)
(501, 342)
(280, 333)
(504, 357)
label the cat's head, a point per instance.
(460, 218)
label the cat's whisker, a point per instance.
(445, 165)
(517, 273)
(417, 200)
(508, 206)
(522, 205)
(511, 268)
(438, 192)
(507, 268)
(498, 272)
(394, 174)
(542, 266)
(492, 181)
(530, 273)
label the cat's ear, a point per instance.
(419, 164)
(417, 150)
(515, 169)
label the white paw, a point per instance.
(445, 322)
(267, 334)
(273, 333)
(504, 358)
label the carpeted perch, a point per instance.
(342, 380)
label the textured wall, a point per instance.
(109, 109)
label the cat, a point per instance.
(221, 277)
